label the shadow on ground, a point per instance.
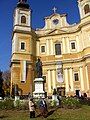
(2, 116)
(48, 114)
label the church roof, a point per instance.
(80, 0)
(54, 14)
(23, 5)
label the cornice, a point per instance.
(68, 60)
(68, 29)
(29, 32)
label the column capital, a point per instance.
(80, 66)
(66, 68)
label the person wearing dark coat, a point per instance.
(43, 107)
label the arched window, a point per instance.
(86, 9)
(23, 19)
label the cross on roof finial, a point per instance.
(22, 1)
(54, 9)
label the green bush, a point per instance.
(21, 105)
(70, 103)
(11, 104)
(6, 104)
(2, 105)
(53, 103)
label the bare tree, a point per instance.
(6, 82)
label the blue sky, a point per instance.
(40, 9)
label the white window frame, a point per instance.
(73, 41)
(59, 42)
(74, 76)
(26, 19)
(20, 46)
(40, 49)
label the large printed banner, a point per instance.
(59, 72)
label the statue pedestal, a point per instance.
(39, 88)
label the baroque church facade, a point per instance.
(64, 50)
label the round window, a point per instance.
(55, 21)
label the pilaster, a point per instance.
(71, 79)
(81, 78)
(49, 81)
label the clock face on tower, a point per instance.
(55, 21)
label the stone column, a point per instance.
(68, 45)
(54, 79)
(64, 47)
(47, 44)
(66, 80)
(77, 43)
(71, 79)
(87, 80)
(51, 47)
(81, 79)
(49, 81)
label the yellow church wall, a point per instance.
(73, 61)
(30, 43)
(72, 56)
(27, 86)
(76, 68)
(23, 56)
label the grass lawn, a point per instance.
(59, 114)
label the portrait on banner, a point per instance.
(59, 72)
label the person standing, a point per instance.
(32, 108)
(43, 107)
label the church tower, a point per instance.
(23, 49)
(84, 8)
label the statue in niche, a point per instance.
(39, 68)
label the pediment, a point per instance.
(55, 15)
(55, 31)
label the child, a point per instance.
(32, 108)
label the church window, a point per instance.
(73, 45)
(23, 19)
(55, 21)
(42, 49)
(58, 49)
(22, 46)
(86, 9)
(76, 78)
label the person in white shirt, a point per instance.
(32, 108)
